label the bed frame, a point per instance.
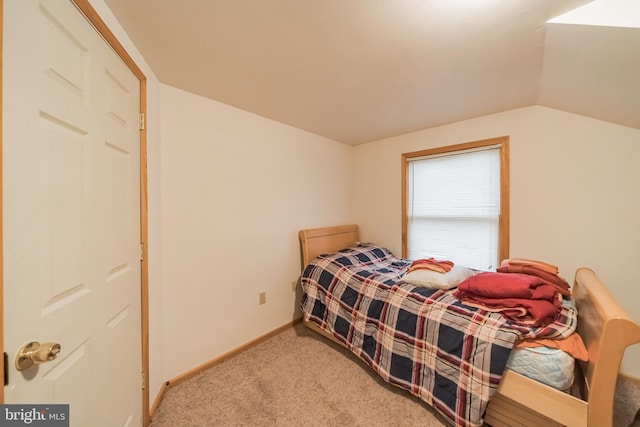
(605, 327)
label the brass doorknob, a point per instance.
(34, 352)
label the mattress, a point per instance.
(549, 366)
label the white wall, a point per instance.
(574, 195)
(154, 251)
(236, 188)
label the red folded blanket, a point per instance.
(561, 285)
(506, 285)
(519, 310)
(541, 265)
(440, 266)
(522, 298)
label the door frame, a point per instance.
(92, 16)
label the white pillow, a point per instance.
(433, 279)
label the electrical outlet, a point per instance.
(294, 285)
(262, 298)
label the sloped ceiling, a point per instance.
(360, 70)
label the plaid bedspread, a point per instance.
(423, 340)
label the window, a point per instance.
(456, 203)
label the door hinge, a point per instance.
(6, 369)
(142, 251)
(144, 380)
(142, 121)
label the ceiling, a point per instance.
(357, 71)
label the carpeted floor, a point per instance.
(295, 378)
(298, 378)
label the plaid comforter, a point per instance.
(423, 340)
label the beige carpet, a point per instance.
(295, 378)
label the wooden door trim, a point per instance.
(2, 372)
(101, 27)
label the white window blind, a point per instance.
(453, 207)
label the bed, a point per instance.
(604, 326)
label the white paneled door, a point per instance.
(71, 214)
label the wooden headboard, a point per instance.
(605, 327)
(316, 241)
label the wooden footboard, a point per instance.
(605, 327)
(607, 330)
